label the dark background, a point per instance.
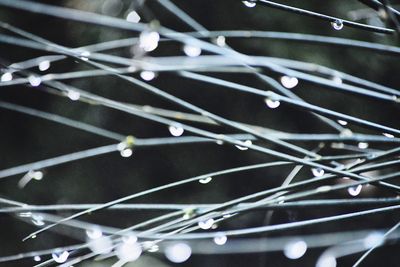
(25, 139)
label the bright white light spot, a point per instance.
(100, 245)
(128, 251)
(247, 142)
(374, 239)
(37, 258)
(207, 224)
(354, 190)
(221, 41)
(272, 103)
(44, 65)
(317, 172)
(220, 239)
(126, 153)
(175, 130)
(94, 233)
(60, 256)
(249, 3)
(326, 261)
(205, 180)
(147, 75)
(148, 41)
(34, 81)
(73, 95)
(337, 24)
(133, 16)
(342, 122)
(362, 145)
(6, 77)
(289, 82)
(178, 253)
(388, 135)
(295, 249)
(191, 51)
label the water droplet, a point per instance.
(337, 80)
(84, 55)
(148, 41)
(205, 180)
(317, 172)
(94, 232)
(337, 24)
(126, 153)
(188, 213)
(354, 190)
(128, 251)
(249, 3)
(289, 82)
(295, 249)
(37, 258)
(346, 133)
(34, 81)
(388, 135)
(178, 253)
(207, 224)
(153, 248)
(247, 142)
(73, 95)
(6, 77)
(36, 175)
(326, 261)
(133, 17)
(176, 130)
(342, 122)
(272, 103)
(60, 256)
(37, 220)
(147, 75)
(191, 51)
(220, 239)
(362, 145)
(44, 65)
(220, 41)
(100, 245)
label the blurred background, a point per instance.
(24, 139)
